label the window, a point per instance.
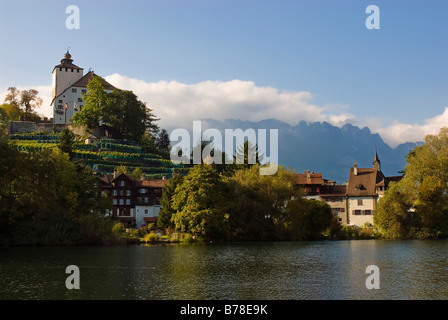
(121, 183)
(77, 70)
(59, 101)
(357, 212)
(340, 199)
(72, 69)
(359, 202)
(342, 210)
(121, 202)
(146, 211)
(74, 90)
(79, 99)
(128, 202)
(115, 192)
(84, 91)
(368, 212)
(146, 200)
(128, 193)
(115, 202)
(142, 190)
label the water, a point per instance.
(285, 270)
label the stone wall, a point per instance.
(28, 127)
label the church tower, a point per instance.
(376, 162)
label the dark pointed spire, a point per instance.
(376, 160)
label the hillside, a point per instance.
(104, 155)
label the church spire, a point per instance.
(376, 161)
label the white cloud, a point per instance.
(399, 132)
(179, 104)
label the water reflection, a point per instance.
(287, 270)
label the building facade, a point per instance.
(364, 188)
(136, 202)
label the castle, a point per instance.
(69, 84)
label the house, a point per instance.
(136, 202)
(149, 195)
(336, 197)
(69, 84)
(311, 183)
(364, 188)
(92, 140)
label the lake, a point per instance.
(416, 269)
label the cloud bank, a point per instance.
(179, 104)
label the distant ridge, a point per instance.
(322, 147)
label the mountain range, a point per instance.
(322, 147)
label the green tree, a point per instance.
(131, 117)
(23, 103)
(162, 143)
(66, 142)
(306, 219)
(201, 204)
(137, 173)
(391, 215)
(418, 204)
(95, 100)
(259, 202)
(121, 169)
(167, 210)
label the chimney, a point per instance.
(308, 174)
(355, 169)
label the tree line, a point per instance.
(417, 205)
(237, 203)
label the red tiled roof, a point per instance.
(364, 182)
(314, 178)
(334, 190)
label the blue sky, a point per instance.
(318, 53)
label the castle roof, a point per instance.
(67, 62)
(84, 81)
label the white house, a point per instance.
(364, 188)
